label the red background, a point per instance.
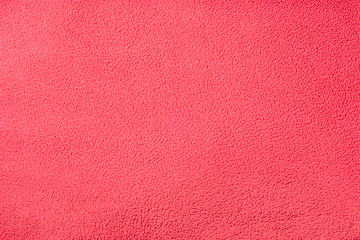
(179, 119)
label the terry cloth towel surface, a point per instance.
(179, 119)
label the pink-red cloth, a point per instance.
(179, 119)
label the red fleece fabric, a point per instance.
(179, 119)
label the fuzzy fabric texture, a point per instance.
(179, 119)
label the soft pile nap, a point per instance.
(179, 119)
